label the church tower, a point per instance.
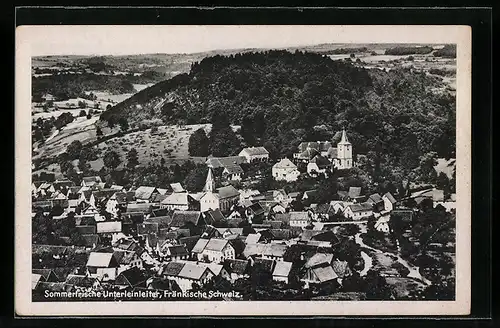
(344, 152)
(210, 183)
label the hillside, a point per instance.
(280, 97)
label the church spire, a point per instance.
(210, 183)
(344, 137)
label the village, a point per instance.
(173, 242)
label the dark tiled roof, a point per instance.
(189, 242)
(237, 266)
(180, 218)
(172, 268)
(131, 277)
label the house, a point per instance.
(82, 281)
(299, 219)
(274, 252)
(174, 252)
(212, 216)
(145, 193)
(285, 170)
(358, 211)
(87, 196)
(127, 260)
(338, 206)
(181, 218)
(103, 266)
(254, 154)
(213, 250)
(109, 227)
(189, 242)
(91, 181)
(389, 201)
(263, 265)
(185, 274)
(118, 201)
(177, 187)
(354, 193)
(130, 278)
(102, 196)
(217, 269)
(376, 201)
(237, 269)
(223, 198)
(254, 211)
(90, 241)
(341, 269)
(282, 271)
(146, 228)
(319, 165)
(177, 201)
(141, 208)
(221, 162)
(35, 280)
(319, 275)
(253, 238)
(47, 275)
(382, 223)
(232, 172)
(307, 154)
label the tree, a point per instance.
(199, 144)
(123, 123)
(82, 113)
(111, 159)
(82, 104)
(98, 132)
(195, 179)
(132, 158)
(74, 149)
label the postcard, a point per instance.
(262, 170)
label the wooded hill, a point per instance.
(281, 99)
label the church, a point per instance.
(223, 198)
(340, 156)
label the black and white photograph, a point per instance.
(240, 165)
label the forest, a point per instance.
(409, 50)
(281, 99)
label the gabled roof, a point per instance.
(214, 215)
(161, 221)
(227, 191)
(109, 226)
(200, 245)
(104, 194)
(124, 197)
(321, 161)
(172, 268)
(47, 274)
(360, 207)
(233, 169)
(239, 267)
(130, 277)
(282, 269)
(178, 250)
(390, 197)
(192, 271)
(276, 250)
(90, 240)
(180, 218)
(144, 192)
(35, 279)
(256, 208)
(177, 187)
(299, 216)
(253, 238)
(374, 199)
(253, 249)
(139, 208)
(275, 224)
(308, 154)
(158, 198)
(54, 286)
(124, 257)
(354, 192)
(101, 260)
(281, 234)
(216, 162)
(325, 273)
(80, 280)
(86, 229)
(265, 264)
(216, 245)
(176, 198)
(254, 151)
(189, 242)
(285, 163)
(319, 259)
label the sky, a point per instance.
(147, 39)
